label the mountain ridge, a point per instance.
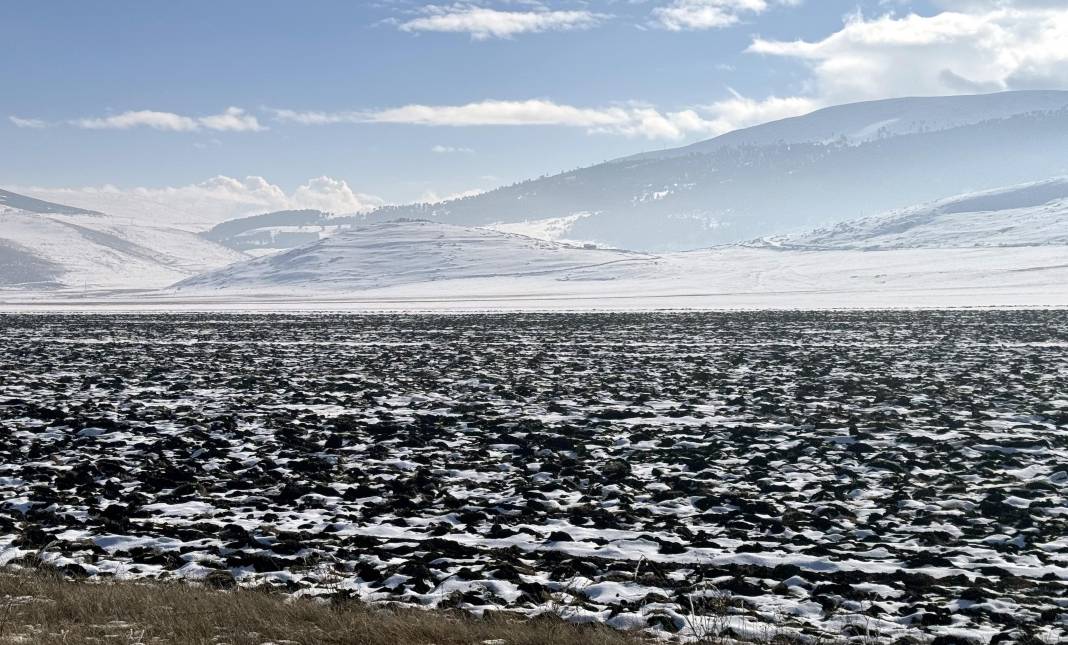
(739, 192)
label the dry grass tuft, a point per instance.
(43, 609)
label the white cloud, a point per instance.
(140, 118)
(232, 120)
(446, 150)
(993, 46)
(27, 123)
(689, 15)
(635, 120)
(483, 23)
(317, 118)
(201, 205)
(740, 111)
(332, 195)
(492, 112)
(981, 46)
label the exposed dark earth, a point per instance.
(881, 476)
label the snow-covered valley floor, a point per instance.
(717, 279)
(885, 475)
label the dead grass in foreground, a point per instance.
(43, 609)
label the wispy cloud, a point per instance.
(447, 150)
(234, 119)
(27, 123)
(139, 119)
(483, 23)
(635, 120)
(692, 15)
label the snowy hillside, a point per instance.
(277, 231)
(789, 176)
(46, 246)
(1032, 214)
(403, 252)
(14, 201)
(861, 122)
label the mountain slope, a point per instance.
(785, 177)
(404, 252)
(15, 201)
(278, 231)
(871, 120)
(51, 246)
(1034, 214)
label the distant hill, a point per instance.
(791, 175)
(404, 252)
(277, 231)
(1034, 214)
(49, 246)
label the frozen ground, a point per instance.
(885, 475)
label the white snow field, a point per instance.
(421, 266)
(725, 278)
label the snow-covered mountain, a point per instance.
(47, 246)
(871, 120)
(1033, 214)
(404, 252)
(788, 176)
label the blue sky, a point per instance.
(405, 100)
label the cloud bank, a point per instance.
(976, 46)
